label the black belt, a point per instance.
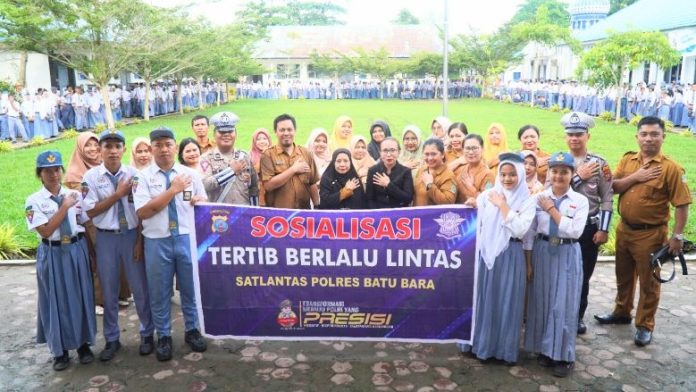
(515, 239)
(71, 240)
(117, 231)
(640, 227)
(556, 240)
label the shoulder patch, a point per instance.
(134, 184)
(29, 213)
(84, 189)
(453, 188)
(630, 153)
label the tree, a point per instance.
(259, 15)
(377, 63)
(486, 55)
(405, 17)
(98, 38)
(606, 63)
(617, 5)
(557, 12)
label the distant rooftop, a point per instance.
(644, 15)
(301, 41)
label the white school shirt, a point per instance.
(96, 186)
(39, 208)
(27, 106)
(574, 209)
(149, 183)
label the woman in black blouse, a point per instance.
(340, 187)
(389, 183)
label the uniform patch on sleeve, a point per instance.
(135, 184)
(84, 188)
(453, 188)
(29, 212)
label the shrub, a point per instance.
(37, 141)
(119, 124)
(555, 108)
(70, 133)
(10, 244)
(686, 133)
(99, 128)
(566, 110)
(5, 146)
(136, 121)
(507, 99)
(668, 126)
(606, 116)
(634, 121)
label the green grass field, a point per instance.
(607, 139)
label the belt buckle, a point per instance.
(65, 239)
(555, 241)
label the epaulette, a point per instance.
(630, 153)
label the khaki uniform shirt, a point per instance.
(484, 178)
(214, 162)
(647, 203)
(295, 193)
(443, 190)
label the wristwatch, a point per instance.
(427, 187)
(678, 237)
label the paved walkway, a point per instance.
(607, 358)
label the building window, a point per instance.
(646, 72)
(287, 71)
(516, 76)
(672, 74)
(584, 24)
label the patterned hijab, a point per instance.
(79, 162)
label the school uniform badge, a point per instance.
(134, 184)
(29, 213)
(84, 188)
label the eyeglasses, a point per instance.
(389, 151)
(472, 148)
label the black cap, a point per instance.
(162, 132)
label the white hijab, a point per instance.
(490, 220)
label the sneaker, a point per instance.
(164, 348)
(147, 345)
(196, 341)
(85, 354)
(99, 310)
(123, 303)
(62, 362)
(563, 369)
(582, 328)
(109, 351)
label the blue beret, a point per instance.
(49, 159)
(562, 159)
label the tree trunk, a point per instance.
(22, 71)
(179, 95)
(618, 96)
(104, 90)
(201, 104)
(217, 94)
(146, 105)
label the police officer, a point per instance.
(592, 179)
(648, 182)
(108, 201)
(229, 175)
(164, 194)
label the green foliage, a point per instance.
(486, 55)
(119, 124)
(543, 31)
(6, 86)
(5, 146)
(99, 128)
(11, 245)
(557, 11)
(507, 100)
(37, 141)
(555, 108)
(669, 126)
(405, 17)
(686, 133)
(136, 121)
(606, 116)
(635, 120)
(70, 133)
(617, 5)
(259, 15)
(565, 110)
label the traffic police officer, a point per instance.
(592, 179)
(108, 201)
(647, 182)
(164, 194)
(229, 174)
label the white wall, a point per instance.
(38, 74)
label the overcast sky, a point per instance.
(482, 16)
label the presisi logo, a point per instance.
(346, 319)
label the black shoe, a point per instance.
(62, 362)
(147, 345)
(85, 354)
(582, 328)
(196, 341)
(613, 319)
(164, 348)
(643, 337)
(545, 361)
(109, 351)
(563, 369)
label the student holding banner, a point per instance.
(554, 291)
(505, 213)
(435, 181)
(340, 187)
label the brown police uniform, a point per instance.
(644, 210)
(205, 147)
(236, 191)
(295, 193)
(443, 190)
(484, 178)
(451, 155)
(542, 169)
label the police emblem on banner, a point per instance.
(219, 221)
(449, 225)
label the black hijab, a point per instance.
(333, 181)
(373, 147)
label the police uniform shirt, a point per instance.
(647, 203)
(97, 186)
(573, 208)
(39, 208)
(150, 183)
(214, 164)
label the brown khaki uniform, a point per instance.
(443, 190)
(205, 147)
(642, 205)
(295, 193)
(451, 155)
(542, 169)
(213, 162)
(484, 178)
